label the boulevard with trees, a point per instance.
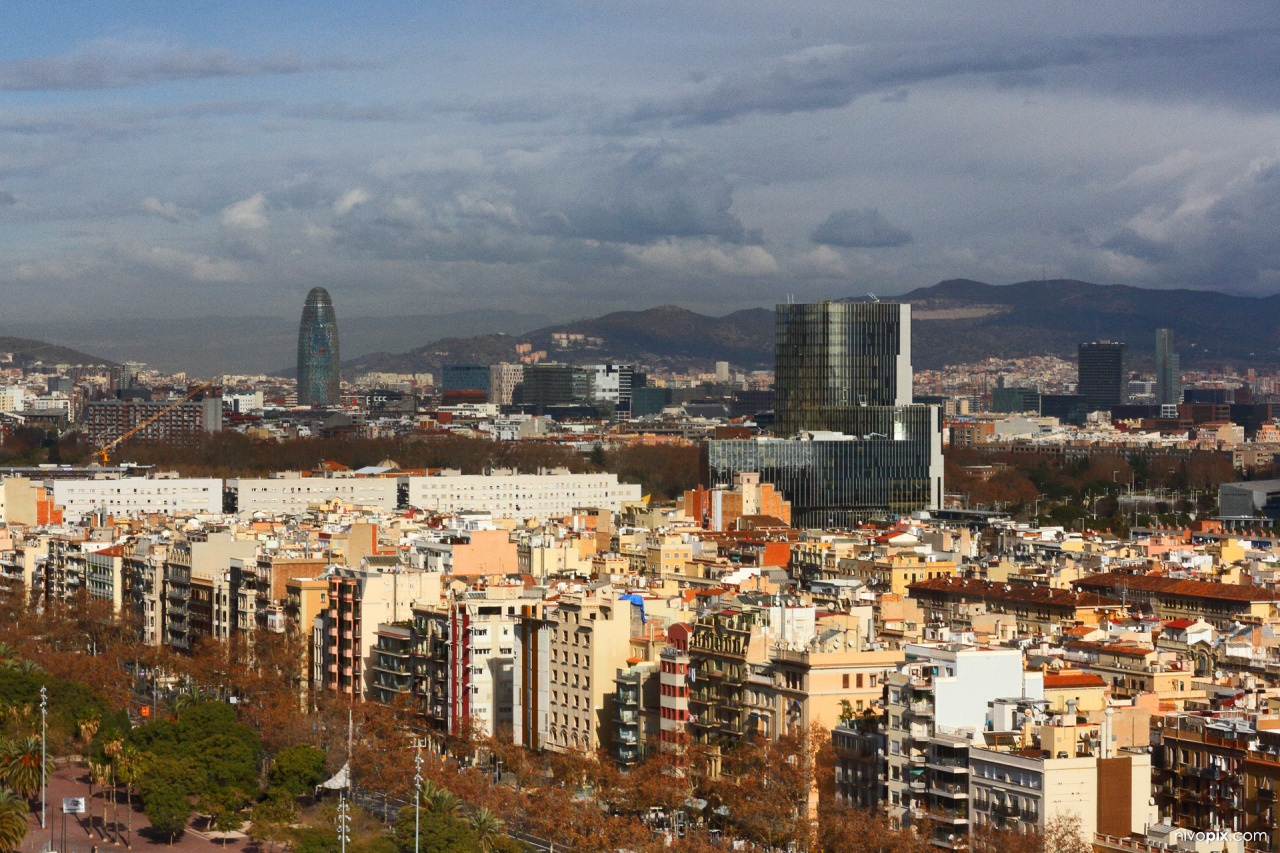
(232, 747)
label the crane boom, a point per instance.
(106, 449)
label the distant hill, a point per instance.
(666, 337)
(204, 346)
(27, 352)
(962, 321)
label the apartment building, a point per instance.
(198, 592)
(589, 637)
(504, 494)
(294, 493)
(126, 497)
(361, 598)
(933, 703)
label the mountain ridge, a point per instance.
(956, 321)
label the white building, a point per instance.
(291, 492)
(503, 379)
(132, 496)
(506, 495)
(612, 383)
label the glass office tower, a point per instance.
(318, 357)
(830, 358)
(1168, 372)
(1103, 378)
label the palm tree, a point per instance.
(183, 701)
(442, 802)
(13, 819)
(112, 750)
(7, 652)
(100, 772)
(488, 828)
(129, 759)
(20, 766)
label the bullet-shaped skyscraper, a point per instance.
(318, 358)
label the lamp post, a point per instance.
(417, 795)
(44, 767)
(344, 822)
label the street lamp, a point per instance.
(344, 821)
(417, 795)
(44, 767)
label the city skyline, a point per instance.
(161, 163)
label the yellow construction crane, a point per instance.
(105, 450)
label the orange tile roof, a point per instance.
(1172, 586)
(1056, 680)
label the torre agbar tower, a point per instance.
(318, 358)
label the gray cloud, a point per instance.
(7, 198)
(859, 229)
(87, 71)
(1232, 244)
(656, 193)
(833, 75)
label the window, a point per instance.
(844, 681)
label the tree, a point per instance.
(128, 767)
(437, 833)
(168, 810)
(20, 768)
(13, 820)
(297, 769)
(488, 828)
(272, 816)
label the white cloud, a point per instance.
(249, 213)
(164, 209)
(349, 200)
(699, 258)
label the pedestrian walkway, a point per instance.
(85, 832)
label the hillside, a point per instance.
(955, 322)
(27, 352)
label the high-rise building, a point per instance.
(1103, 378)
(318, 356)
(851, 444)
(1168, 374)
(832, 358)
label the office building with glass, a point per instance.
(832, 358)
(893, 467)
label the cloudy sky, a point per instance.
(182, 159)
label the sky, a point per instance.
(166, 160)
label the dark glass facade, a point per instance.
(833, 357)
(553, 384)
(1168, 372)
(1103, 375)
(890, 464)
(318, 357)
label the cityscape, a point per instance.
(438, 429)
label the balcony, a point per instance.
(918, 731)
(1007, 810)
(951, 792)
(921, 709)
(917, 784)
(917, 759)
(1267, 794)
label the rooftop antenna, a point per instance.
(873, 297)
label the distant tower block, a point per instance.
(722, 372)
(318, 357)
